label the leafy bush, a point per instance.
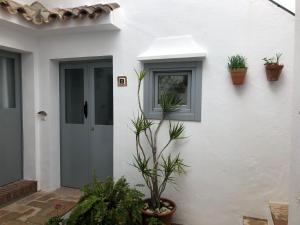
(237, 62)
(108, 203)
(273, 60)
(154, 221)
(57, 220)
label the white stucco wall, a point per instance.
(294, 217)
(239, 153)
(16, 39)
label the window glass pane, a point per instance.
(7, 83)
(74, 91)
(103, 96)
(176, 85)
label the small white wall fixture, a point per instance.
(175, 48)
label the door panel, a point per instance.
(10, 119)
(101, 78)
(86, 122)
(74, 126)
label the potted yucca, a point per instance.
(157, 166)
(273, 67)
(238, 69)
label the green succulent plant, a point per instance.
(237, 62)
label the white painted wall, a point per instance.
(289, 4)
(239, 153)
(16, 39)
(294, 216)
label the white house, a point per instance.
(242, 149)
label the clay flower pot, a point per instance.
(166, 217)
(238, 76)
(273, 71)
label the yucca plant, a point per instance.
(157, 167)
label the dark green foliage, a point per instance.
(273, 60)
(169, 103)
(176, 131)
(154, 221)
(55, 221)
(237, 62)
(108, 203)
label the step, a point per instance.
(279, 211)
(254, 221)
(14, 191)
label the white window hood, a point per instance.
(176, 48)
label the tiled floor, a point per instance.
(37, 208)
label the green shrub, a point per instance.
(108, 203)
(57, 220)
(237, 62)
(154, 221)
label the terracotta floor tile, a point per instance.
(39, 220)
(38, 208)
(254, 221)
(3, 212)
(46, 197)
(17, 208)
(15, 222)
(9, 216)
(31, 198)
(30, 213)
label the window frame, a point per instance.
(192, 113)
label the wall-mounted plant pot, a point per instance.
(165, 218)
(273, 72)
(238, 76)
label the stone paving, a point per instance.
(37, 208)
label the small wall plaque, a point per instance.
(122, 81)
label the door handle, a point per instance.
(85, 109)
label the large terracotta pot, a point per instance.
(273, 71)
(166, 218)
(238, 76)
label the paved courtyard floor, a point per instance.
(37, 208)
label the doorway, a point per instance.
(86, 105)
(11, 162)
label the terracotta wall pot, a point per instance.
(273, 72)
(238, 76)
(166, 218)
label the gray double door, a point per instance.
(86, 97)
(10, 119)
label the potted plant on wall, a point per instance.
(238, 69)
(157, 167)
(273, 67)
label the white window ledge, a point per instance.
(177, 48)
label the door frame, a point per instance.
(81, 63)
(18, 82)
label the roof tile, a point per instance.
(38, 14)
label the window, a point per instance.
(7, 83)
(182, 80)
